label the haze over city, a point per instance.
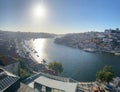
(59, 16)
(59, 46)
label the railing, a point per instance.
(56, 77)
(32, 78)
(81, 87)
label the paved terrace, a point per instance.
(81, 86)
(55, 84)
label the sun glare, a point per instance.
(39, 11)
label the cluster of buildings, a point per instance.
(107, 41)
(111, 41)
(77, 40)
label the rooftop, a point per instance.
(6, 60)
(56, 82)
(66, 86)
(6, 79)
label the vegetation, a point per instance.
(23, 71)
(56, 66)
(24, 74)
(106, 74)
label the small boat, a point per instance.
(35, 52)
(37, 55)
(117, 54)
(44, 61)
(89, 50)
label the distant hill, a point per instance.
(25, 35)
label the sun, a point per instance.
(39, 11)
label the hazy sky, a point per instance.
(61, 16)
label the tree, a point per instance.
(106, 74)
(56, 66)
(108, 69)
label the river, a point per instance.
(78, 64)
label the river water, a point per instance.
(78, 64)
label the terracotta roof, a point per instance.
(7, 60)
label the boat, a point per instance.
(44, 61)
(37, 55)
(35, 51)
(117, 54)
(89, 50)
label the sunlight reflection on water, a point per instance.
(39, 45)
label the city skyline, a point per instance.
(59, 16)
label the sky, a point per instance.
(61, 16)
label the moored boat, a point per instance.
(117, 54)
(89, 50)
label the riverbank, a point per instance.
(36, 65)
(92, 41)
(92, 50)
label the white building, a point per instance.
(107, 40)
(49, 83)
